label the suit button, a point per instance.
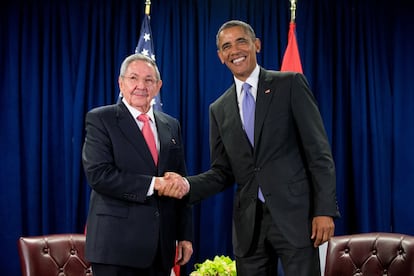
(257, 169)
(157, 214)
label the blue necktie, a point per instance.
(248, 107)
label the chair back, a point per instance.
(370, 254)
(56, 254)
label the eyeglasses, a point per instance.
(134, 80)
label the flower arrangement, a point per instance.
(220, 266)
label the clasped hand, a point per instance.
(172, 185)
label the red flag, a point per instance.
(291, 59)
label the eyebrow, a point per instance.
(240, 39)
(145, 76)
(225, 44)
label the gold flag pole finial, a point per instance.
(147, 7)
(292, 10)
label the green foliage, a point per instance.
(220, 266)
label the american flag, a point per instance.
(145, 46)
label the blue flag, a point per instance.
(145, 46)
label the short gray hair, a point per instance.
(129, 59)
(236, 23)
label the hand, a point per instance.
(177, 186)
(185, 250)
(323, 228)
(172, 184)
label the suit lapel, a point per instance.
(265, 92)
(231, 109)
(165, 138)
(133, 134)
(232, 120)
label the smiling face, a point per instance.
(139, 84)
(237, 49)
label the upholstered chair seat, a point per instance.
(370, 254)
(57, 255)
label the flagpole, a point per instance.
(292, 11)
(147, 7)
(291, 58)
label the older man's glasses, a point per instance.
(134, 80)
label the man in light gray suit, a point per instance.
(287, 163)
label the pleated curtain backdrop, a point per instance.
(61, 58)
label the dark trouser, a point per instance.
(269, 246)
(113, 270)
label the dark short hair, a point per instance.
(236, 23)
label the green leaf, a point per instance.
(220, 266)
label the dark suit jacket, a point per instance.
(291, 159)
(124, 226)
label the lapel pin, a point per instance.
(173, 141)
(267, 91)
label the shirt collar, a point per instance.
(135, 113)
(253, 80)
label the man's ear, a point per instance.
(258, 45)
(159, 85)
(220, 56)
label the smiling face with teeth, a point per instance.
(237, 48)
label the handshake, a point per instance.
(172, 185)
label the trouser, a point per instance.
(269, 245)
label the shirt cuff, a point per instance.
(151, 187)
(188, 183)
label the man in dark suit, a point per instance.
(286, 196)
(131, 230)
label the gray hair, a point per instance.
(129, 59)
(236, 23)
